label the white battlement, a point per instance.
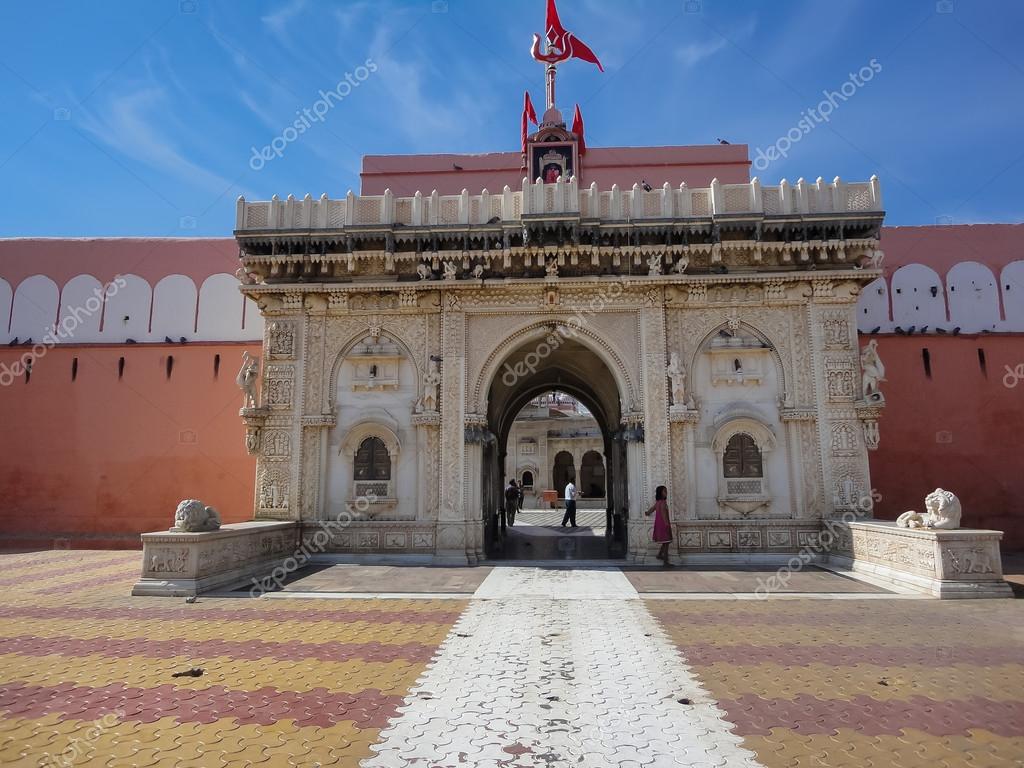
(561, 198)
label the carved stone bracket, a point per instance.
(254, 419)
(319, 420)
(683, 415)
(798, 414)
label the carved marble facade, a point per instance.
(411, 348)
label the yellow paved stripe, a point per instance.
(97, 744)
(391, 678)
(776, 681)
(772, 635)
(913, 749)
(267, 630)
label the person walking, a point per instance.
(570, 504)
(662, 533)
(512, 496)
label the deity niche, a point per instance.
(281, 339)
(837, 332)
(276, 443)
(843, 440)
(550, 162)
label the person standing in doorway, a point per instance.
(570, 504)
(512, 496)
(662, 527)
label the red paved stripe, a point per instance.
(850, 655)
(317, 707)
(95, 581)
(22, 579)
(31, 645)
(805, 714)
(253, 613)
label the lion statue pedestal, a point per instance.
(943, 511)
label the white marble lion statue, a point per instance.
(192, 516)
(943, 511)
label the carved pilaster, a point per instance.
(452, 515)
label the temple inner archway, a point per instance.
(571, 367)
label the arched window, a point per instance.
(742, 457)
(372, 461)
(592, 474)
(527, 479)
(563, 471)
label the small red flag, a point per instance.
(528, 115)
(564, 44)
(577, 128)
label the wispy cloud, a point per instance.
(277, 22)
(691, 54)
(407, 72)
(135, 124)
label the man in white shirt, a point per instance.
(570, 504)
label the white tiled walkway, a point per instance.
(584, 679)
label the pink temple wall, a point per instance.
(404, 175)
(76, 469)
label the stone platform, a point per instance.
(178, 563)
(960, 563)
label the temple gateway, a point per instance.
(710, 332)
(551, 316)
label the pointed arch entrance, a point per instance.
(574, 366)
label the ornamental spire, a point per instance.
(559, 45)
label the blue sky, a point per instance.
(140, 118)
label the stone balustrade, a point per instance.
(562, 199)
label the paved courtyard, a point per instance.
(501, 666)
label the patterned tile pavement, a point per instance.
(86, 671)
(86, 675)
(861, 683)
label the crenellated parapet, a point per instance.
(559, 230)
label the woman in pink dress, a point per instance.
(662, 527)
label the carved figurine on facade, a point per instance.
(478, 271)
(431, 381)
(677, 376)
(551, 268)
(192, 516)
(252, 440)
(872, 371)
(681, 264)
(424, 271)
(245, 277)
(654, 265)
(449, 271)
(943, 511)
(247, 377)
(871, 434)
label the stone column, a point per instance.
(658, 469)
(427, 464)
(452, 534)
(638, 533)
(313, 421)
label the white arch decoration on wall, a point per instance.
(126, 312)
(918, 297)
(252, 321)
(1011, 282)
(6, 297)
(973, 297)
(174, 308)
(220, 310)
(34, 308)
(873, 306)
(81, 309)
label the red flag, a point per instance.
(577, 128)
(528, 115)
(562, 44)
